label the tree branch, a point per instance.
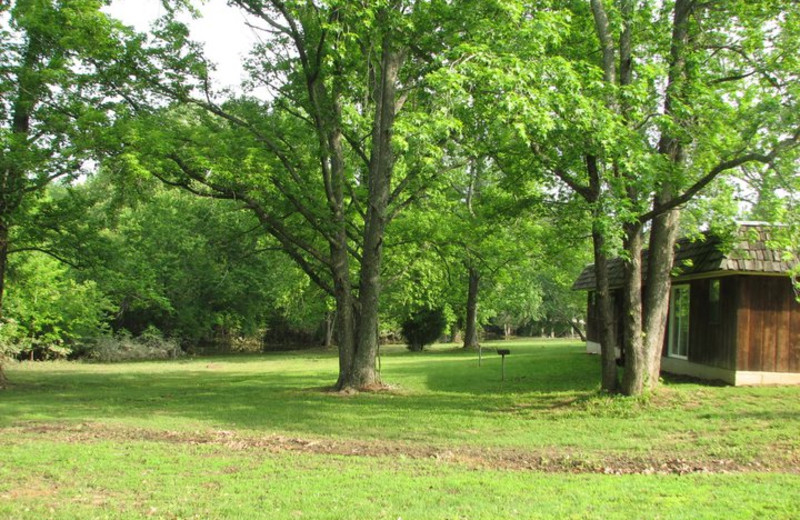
(48, 253)
(723, 166)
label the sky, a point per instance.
(221, 29)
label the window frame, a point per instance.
(674, 336)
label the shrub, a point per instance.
(49, 311)
(423, 327)
(11, 341)
(123, 347)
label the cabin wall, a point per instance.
(712, 335)
(592, 322)
(768, 325)
(592, 330)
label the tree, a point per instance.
(719, 113)
(423, 327)
(52, 107)
(730, 100)
(537, 289)
(346, 142)
(196, 269)
(634, 110)
(49, 310)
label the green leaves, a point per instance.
(48, 310)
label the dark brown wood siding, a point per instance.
(592, 326)
(768, 325)
(712, 338)
(592, 330)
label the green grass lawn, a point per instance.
(260, 437)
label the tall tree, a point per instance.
(346, 141)
(635, 110)
(692, 91)
(729, 101)
(51, 102)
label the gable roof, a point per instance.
(748, 253)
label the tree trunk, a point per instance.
(662, 252)
(330, 328)
(471, 329)
(364, 373)
(340, 260)
(455, 334)
(3, 260)
(577, 330)
(636, 360)
(345, 325)
(664, 232)
(608, 357)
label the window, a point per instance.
(678, 345)
(713, 301)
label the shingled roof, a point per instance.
(747, 253)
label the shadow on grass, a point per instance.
(284, 392)
(530, 368)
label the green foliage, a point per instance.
(48, 310)
(12, 341)
(516, 298)
(196, 269)
(423, 327)
(142, 256)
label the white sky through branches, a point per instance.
(222, 30)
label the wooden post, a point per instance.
(503, 353)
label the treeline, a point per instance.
(105, 269)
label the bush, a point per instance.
(11, 340)
(423, 327)
(47, 310)
(123, 347)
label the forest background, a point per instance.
(382, 162)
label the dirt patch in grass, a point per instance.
(780, 459)
(29, 493)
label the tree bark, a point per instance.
(364, 373)
(330, 329)
(636, 360)
(340, 260)
(471, 330)
(3, 260)
(4, 231)
(664, 231)
(609, 381)
(656, 300)
(577, 330)
(603, 32)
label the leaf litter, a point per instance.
(547, 460)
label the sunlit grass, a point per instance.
(139, 439)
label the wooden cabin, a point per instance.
(734, 314)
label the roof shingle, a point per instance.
(749, 253)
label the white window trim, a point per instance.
(671, 322)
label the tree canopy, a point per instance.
(385, 159)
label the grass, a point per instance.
(258, 437)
